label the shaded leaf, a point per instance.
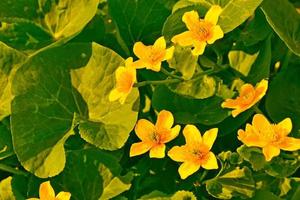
(187, 110)
(285, 21)
(241, 61)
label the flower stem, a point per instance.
(12, 170)
(167, 81)
(170, 74)
(257, 110)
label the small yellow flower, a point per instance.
(155, 136)
(47, 193)
(248, 97)
(270, 137)
(200, 31)
(125, 78)
(152, 56)
(196, 152)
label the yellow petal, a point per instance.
(46, 191)
(217, 33)
(191, 19)
(213, 14)
(261, 123)
(158, 151)
(188, 168)
(169, 53)
(237, 111)
(192, 135)
(165, 120)
(139, 148)
(139, 64)
(183, 39)
(262, 87)
(250, 137)
(160, 43)
(209, 137)
(155, 67)
(199, 48)
(290, 144)
(63, 196)
(128, 62)
(144, 129)
(114, 95)
(170, 135)
(286, 124)
(230, 103)
(211, 162)
(140, 50)
(178, 154)
(270, 152)
(119, 72)
(33, 199)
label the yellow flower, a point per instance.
(155, 136)
(152, 56)
(200, 31)
(248, 97)
(196, 152)
(270, 137)
(125, 78)
(47, 193)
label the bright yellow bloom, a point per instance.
(125, 78)
(152, 56)
(270, 137)
(155, 136)
(248, 97)
(47, 193)
(196, 152)
(200, 31)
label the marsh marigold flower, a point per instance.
(155, 136)
(200, 31)
(196, 152)
(270, 137)
(152, 56)
(125, 78)
(247, 98)
(47, 193)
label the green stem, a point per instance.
(167, 81)
(203, 176)
(170, 74)
(257, 110)
(12, 170)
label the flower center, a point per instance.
(203, 30)
(125, 83)
(155, 55)
(200, 154)
(155, 137)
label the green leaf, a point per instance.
(155, 195)
(241, 61)
(285, 21)
(282, 99)
(282, 167)
(10, 60)
(90, 173)
(64, 18)
(132, 27)
(184, 62)
(113, 186)
(236, 12)
(257, 29)
(6, 147)
(264, 194)
(44, 106)
(187, 110)
(235, 183)
(252, 155)
(26, 9)
(24, 35)
(179, 195)
(109, 123)
(199, 88)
